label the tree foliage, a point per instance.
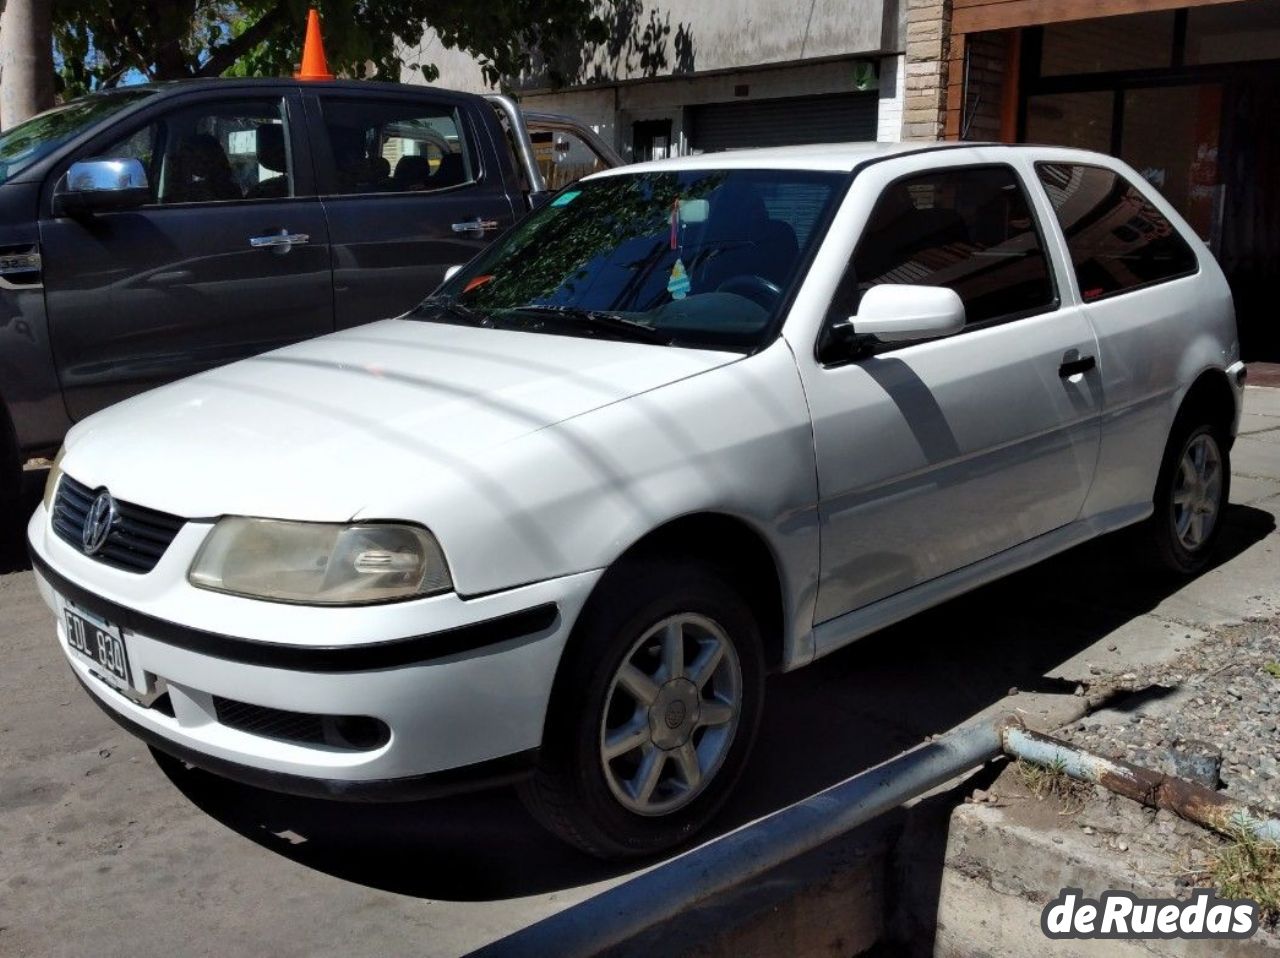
(100, 43)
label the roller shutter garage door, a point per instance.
(835, 118)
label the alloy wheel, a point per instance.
(1197, 492)
(670, 714)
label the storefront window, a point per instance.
(1233, 32)
(1171, 137)
(1134, 42)
(1081, 120)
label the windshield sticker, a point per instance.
(678, 285)
(564, 199)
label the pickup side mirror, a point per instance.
(99, 186)
(895, 313)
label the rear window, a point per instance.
(1117, 238)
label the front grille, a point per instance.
(136, 541)
(350, 732)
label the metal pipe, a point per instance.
(626, 910)
(1193, 802)
(520, 140)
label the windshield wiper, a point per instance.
(612, 322)
(455, 309)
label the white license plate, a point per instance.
(99, 644)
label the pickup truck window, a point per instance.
(214, 151)
(395, 146)
(970, 229)
(696, 257)
(1117, 238)
(563, 157)
(22, 145)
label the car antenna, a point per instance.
(314, 65)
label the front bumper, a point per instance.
(461, 685)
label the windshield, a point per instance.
(22, 145)
(692, 257)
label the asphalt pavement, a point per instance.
(105, 851)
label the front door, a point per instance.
(408, 192)
(937, 454)
(231, 257)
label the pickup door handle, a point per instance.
(1074, 367)
(280, 242)
(476, 225)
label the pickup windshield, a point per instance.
(688, 257)
(22, 145)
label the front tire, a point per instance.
(1191, 497)
(654, 712)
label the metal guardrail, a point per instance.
(619, 914)
(653, 897)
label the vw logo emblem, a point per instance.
(98, 523)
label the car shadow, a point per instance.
(847, 712)
(13, 523)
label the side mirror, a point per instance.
(896, 313)
(99, 186)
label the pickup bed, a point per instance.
(150, 232)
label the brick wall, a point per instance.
(892, 81)
(927, 53)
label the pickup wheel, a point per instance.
(654, 713)
(10, 474)
(1191, 496)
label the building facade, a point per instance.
(1183, 91)
(681, 76)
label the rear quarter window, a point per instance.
(1118, 240)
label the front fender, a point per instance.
(573, 497)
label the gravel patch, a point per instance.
(1210, 715)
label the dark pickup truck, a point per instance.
(151, 232)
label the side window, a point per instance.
(214, 152)
(969, 229)
(1117, 238)
(395, 146)
(563, 157)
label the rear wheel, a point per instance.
(1191, 496)
(654, 713)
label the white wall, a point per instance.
(762, 44)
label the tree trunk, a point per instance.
(26, 60)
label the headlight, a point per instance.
(320, 564)
(51, 483)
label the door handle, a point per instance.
(476, 225)
(280, 242)
(1074, 367)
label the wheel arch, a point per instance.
(1212, 397)
(727, 542)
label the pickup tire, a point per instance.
(654, 711)
(10, 473)
(1191, 496)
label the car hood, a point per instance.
(317, 430)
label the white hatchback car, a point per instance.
(690, 422)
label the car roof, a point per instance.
(227, 83)
(833, 157)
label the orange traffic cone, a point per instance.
(314, 65)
